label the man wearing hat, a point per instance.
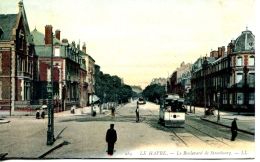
(111, 138)
(234, 129)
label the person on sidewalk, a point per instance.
(234, 129)
(38, 114)
(111, 138)
(137, 112)
(113, 111)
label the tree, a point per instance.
(154, 92)
(110, 88)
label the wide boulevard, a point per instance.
(84, 134)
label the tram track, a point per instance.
(206, 141)
(179, 138)
(193, 131)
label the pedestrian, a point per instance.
(234, 129)
(111, 138)
(113, 111)
(137, 112)
(42, 114)
(38, 114)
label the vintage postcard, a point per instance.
(127, 79)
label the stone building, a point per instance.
(179, 82)
(228, 79)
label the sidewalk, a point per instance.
(245, 122)
(31, 141)
(86, 111)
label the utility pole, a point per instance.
(50, 131)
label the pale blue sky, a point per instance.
(142, 39)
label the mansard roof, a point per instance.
(245, 42)
(7, 24)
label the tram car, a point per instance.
(172, 111)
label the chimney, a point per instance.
(223, 51)
(211, 53)
(48, 34)
(230, 47)
(219, 52)
(57, 34)
(65, 40)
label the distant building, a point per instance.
(90, 64)
(179, 82)
(17, 61)
(183, 79)
(159, 81)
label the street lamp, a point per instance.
(218, 96)
(205, 64)
(50, 135)
(50, 131)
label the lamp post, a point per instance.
(50, 131)
(205, 64)
(218, 96)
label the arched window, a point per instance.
(251, 61)
(239, 61)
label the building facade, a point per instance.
(17, 61)
(227, 78)
(179, 82)
(159, 81)
(69, 70)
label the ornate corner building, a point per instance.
(227, 77)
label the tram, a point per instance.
(172, 111)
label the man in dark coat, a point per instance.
(234, 129)
(111, 138)
(137, 112)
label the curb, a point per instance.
(3, 121)
(241, 130)
(54, 148)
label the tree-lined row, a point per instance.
(110, 88)
(154, 92)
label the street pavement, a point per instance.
(30, 141)
(245, 121)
